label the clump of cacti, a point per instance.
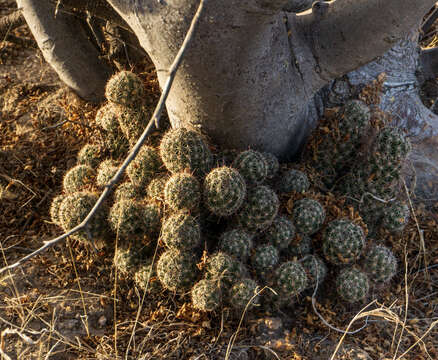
(302, 245)
(315, 269)
(236, 243)
(272, 165)
(352, 285)
(396, 216)
(252, 166)
(185, 150)
(206, 295)
(73, 210)
(308, 215)
(264, 259)
(343, 241)
(181, 231)
(125, 191)
(125, 88)
(177, 270)
(243, 294)
(380, 263)
(144, 167)
(105, 172)
(90, 155)
(223, 268)
(293, 180)
(182, 192)
(54, 209)
(79, 177)
(259, 210)
(155, 189)
(131, 219)
(291, 280)
(280, 233)
(224, 191)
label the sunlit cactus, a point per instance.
(90, 155)
(181, 231)
(206, 295)
(182, 192)
(144, 167)
(78, 178)
(125, 88)
(105, 172)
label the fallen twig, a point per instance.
(153, 122)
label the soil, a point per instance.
(68, 303)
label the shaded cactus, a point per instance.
(181, 231)
(280, 233)
(73, 210)
(243, 294)
(308, 215)
(343, 241)
(206, 295)
(132, 123)
(127, 259)
(146, 276)
(293, 180)
(182, 192)
(177, 270)
(396, 217)
(79, 177)
(265, 258)
(252, 166)
(301, 246)
(352, 285)
(224, 191)
(380, 263)
(125, 191)
(105, 172)
(315, 269)
(259, 210)
(144, 167)
(236, 243)
(272, 165)
(54, 209)
(90, 155)
(125, 88)
(107, 118)
(131, 218)
(223, 268)
(155, 189)
(291, 280)
(185, 150)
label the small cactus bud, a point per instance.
(380, 263)
(181, 231)
(236, 243)
(182, 192)
(301, 246)
(155, 189)
(243, 294)
(308, 216)
(265, 258)
(177, 270)
(90, 155)
(293, 180)
(291, 280)
(105, 172)
(252, 166)
(222, 267)
(396, 217)
(280, 233)
(54, 209)
(78, 178)
(125, 191)
(315, 269)
(272, 165)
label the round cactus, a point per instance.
(144, 167)
(125, 191)
(126, 259)
(131, 218)
(223, 267)
(107, 118)
(352, 285)
(124, 88)
(302, 246)
(291, 280)
(380, 263)
(132, 123)
(54, 209)
(105, 172)
(236, 243)
(206, 295)
(224, 191)
(264, 259)
(155, 189)
(280, 233)
(392, 143)
(293, 180)
(343, 241)
(73, 210)
(252, 166)
(146, 278)
(395, 217)
(315, 269)
(182, 149)
(177, 270)
(181, 231)
(272, 165)
(308, 216)
(182, 192)
(79, 177)
(90, 155)
(243, 294)
(259, 210)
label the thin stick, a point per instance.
(153, 122)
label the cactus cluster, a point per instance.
(224, 191)
(308, 216)
(182, 192)
(252, 166)
(293, 180)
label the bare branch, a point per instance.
(10, 22)
(149, 128)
